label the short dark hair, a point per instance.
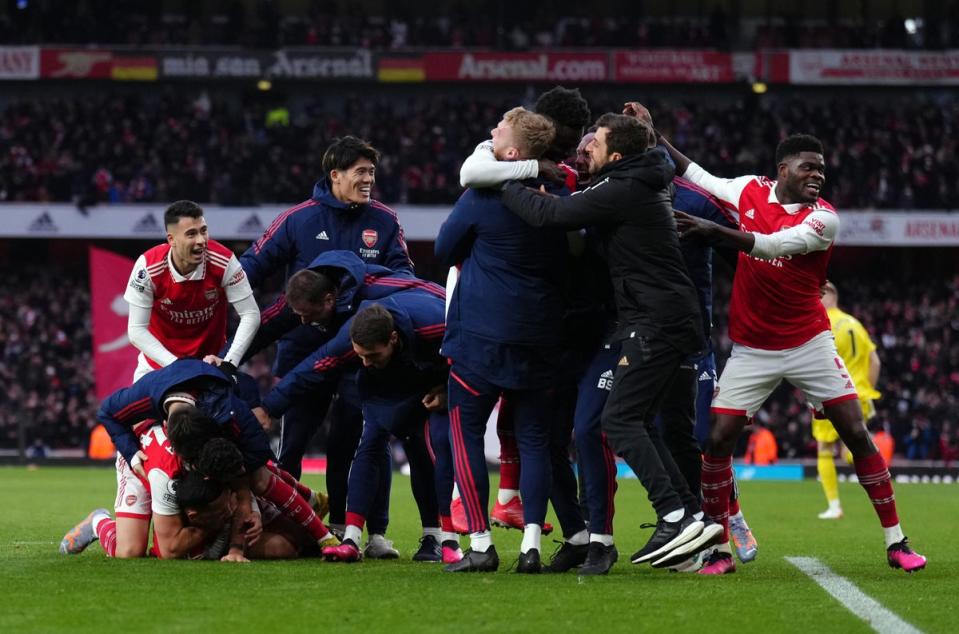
(627, 135)
(189, 429)
(308, 285)
(569, 112)
(220, 459)
(372, 326)
(193, 491)
(181, 209)
(347, 150)
(796, 143)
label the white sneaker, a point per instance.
(831, 514)
(378, 547)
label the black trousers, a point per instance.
(677, 421)
(645, 369)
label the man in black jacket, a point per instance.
(657, 310)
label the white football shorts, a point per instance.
(751, 375)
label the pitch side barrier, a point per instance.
(914, 228)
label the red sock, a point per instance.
(355, 519)
(509, 467)
(295, 507)
(717, 483)
(734, 506)
(107, 534)
(305, 492)
(874, 478)
(446, 524)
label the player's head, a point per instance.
(189, 429)
(582, 158)
(374, 336)
(617, 137)
(522, 134)
(829, 295)
(569, 112)
(801, 168)
(220, 459)
(350, 164)
(311, 295)
(186, 233)
(207, 503)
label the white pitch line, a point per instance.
(853, 599)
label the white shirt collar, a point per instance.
(197, 274)
(792, 208)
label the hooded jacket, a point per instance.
(628, 207)
(356, 281)
(418, 319)
(215, 396)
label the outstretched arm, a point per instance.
(596, 205)
(816, 233)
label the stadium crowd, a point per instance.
(894, 153)
(527, 26)
(45, 363)
(45, 359)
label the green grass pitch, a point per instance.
(42, 591)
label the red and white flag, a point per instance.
(114, 358)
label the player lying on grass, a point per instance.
(197, 397)
(173, 536)
(209, 504)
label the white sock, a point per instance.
(353, 533)
(505, 495)
(456, 492)
(699, 516)
(675, 516)
(480, 542)
(724, 548)
(893, 535)
(449, 537)
(96, 520)
(834, 505)
(579, 539)
(605, 540)
(531, 538)
(434, 531)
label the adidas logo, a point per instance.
(251, 225)
(705, 376)
(166, 300)
(147, 224)
(608, 374)
(751, 213)
(322, 236)
(43, 223)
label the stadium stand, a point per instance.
(896, 153)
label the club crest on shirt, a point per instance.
(369, 237)
(210, 294)
(130, 500)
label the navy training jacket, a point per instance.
(324, 223)
(215, 397)
(418, 317)
(356, 282)
(698, 256)
(505, 320)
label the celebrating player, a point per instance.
(780, 329)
